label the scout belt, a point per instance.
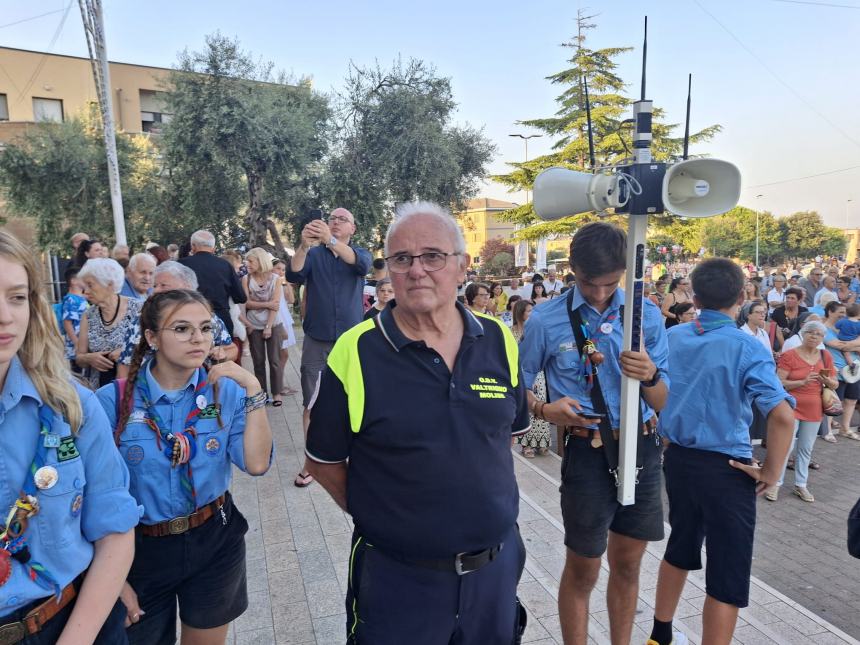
(183, 524)
(36, 619)
(461, 564)
(648, 428)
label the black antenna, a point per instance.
(644, 57)
(588, 120)
(687, 124)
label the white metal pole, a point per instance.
(106, 99)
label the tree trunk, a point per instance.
(260, 226)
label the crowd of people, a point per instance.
(131, 407)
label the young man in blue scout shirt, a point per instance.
(717, 372)
(589, 317)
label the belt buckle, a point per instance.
(458, 564)
(12, 633)
(178, 525)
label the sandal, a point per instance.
(528, 453)
(543, 451)
(814, 465)
(850, 434)
(790, 464)
(303, 480)
(277, 403)
(830, 438)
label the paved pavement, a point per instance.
(298, 548)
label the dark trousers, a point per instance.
(267, 348)
(390, 602)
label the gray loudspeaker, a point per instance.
(701, 187)
(560, 192)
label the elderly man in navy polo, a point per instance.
(411, 434)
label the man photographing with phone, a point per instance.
(332, 270)
(576, 339)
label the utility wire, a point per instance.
(778, 78)
(818, 174)
(819, 4)
(44, 58)
(41, 15)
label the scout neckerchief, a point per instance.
(587, 348)
(708, 321)
(180, 447)
(13, 540)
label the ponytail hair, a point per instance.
(42, 354)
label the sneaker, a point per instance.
(772, 495)
(678, 638)
(803, 493)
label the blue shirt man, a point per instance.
(89, 501)
(332, 270)
(594, 521)
(717, 373)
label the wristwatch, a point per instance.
(653, 380)
(331, 242)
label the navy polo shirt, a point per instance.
(430, 469)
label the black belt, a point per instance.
(461, 564)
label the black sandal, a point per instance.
(277, 404)
(302, 481)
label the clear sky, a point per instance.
(780, 76)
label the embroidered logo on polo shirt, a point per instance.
(137, 416)
(210, 411)
(489, 388)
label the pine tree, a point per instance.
(611, 129)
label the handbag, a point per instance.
(831, 403)
(829, 400)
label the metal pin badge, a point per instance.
(51, 440)
(606, 328)
(201, 402)
(46, 477)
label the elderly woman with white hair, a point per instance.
(803, 371)
(104, 325)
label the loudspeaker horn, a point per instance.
(560, 192)
(701, 187)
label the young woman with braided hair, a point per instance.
(66, 518)
(180, 430)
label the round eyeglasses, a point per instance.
(184, 333)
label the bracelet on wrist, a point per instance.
(255, 401)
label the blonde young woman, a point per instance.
(262, 320)
(65, 510)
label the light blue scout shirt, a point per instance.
(716, 376)
(154, 483)
(89, 501)
(548, 344)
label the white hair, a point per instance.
(827, 297)
(179, 271)
(105, 271)
(813, 325)
(203, 238)
(408, 210)
(137, 258)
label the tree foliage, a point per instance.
(239, 127)
(493, 246)
(56, 174)
(610, 108)
(804, 235)
(396, 142)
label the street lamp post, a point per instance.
(525, 139)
